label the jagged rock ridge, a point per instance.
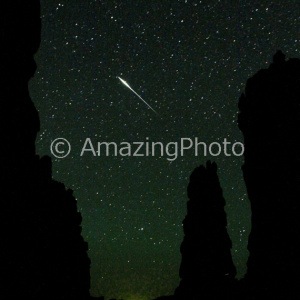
(270, 121)
(42, 252)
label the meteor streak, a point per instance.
(127, 85)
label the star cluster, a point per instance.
(190, 61)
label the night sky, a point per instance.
(190, 61)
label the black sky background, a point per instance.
(190, 61)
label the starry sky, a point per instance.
(190, 61)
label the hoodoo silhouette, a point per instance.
(207, 270)
(270, 121)
(42, 254)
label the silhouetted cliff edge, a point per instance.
(270, 121)
(42, 252)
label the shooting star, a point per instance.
(127, 85)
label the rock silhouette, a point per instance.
(270, 121)
(42, 252)
(207, 270)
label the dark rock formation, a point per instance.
(42, 252)
(270, 121)
(207, 270)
